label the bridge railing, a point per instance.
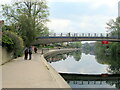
(78, 35)
(87, 35)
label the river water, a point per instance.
(86, 65)
(81, 63)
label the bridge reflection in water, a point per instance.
(91, 79)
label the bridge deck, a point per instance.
(58, 39)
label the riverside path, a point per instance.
(35, 73)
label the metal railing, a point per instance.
(81, 35)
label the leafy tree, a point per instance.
(28, 18)
(114, 27)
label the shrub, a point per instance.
(13, 43)
(7, 42)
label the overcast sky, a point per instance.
(80, 16)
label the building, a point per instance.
(119, 9)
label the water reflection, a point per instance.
(88, 64)
(82, 64)
(55, 58)
(112, 60)
(92, 81)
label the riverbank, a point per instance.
(35, 73)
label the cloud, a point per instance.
(94, 3)
(107, 3)
(6, 1)
(93, 24)
(84, 24)
(59, 25)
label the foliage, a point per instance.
(57, 57)
(75, 45)
(88, 47)
(7, 42)
(114, 27)
(6, 28)
(68, 45)
(77, 55)
(13, 43)
(109, 56)
(27, 18)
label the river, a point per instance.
(80, 63)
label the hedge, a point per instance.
(13, 43)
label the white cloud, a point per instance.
(59, 25)
(94, 3)
(85, 24)
(110, 3)
(6, 1)
(94, 23)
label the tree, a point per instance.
(29, 18)
(114, 27)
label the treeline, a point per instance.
(24, 20)
(110, 53)
(113, 48)
(88, 48)
(63, 45)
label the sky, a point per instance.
(79, 16)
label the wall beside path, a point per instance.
(0, 55)
(57, 77)
(5, 56)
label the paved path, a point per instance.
(35, 73)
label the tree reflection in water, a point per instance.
(57, 57)
(107, 56)
(113, 60)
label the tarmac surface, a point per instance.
(34, 73)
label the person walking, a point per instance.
(30, 52)
(35, 49)
(25, 53)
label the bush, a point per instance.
(13, 43)
(7, 42)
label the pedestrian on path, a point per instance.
(35, 49)
(30, 52)
(25, 53)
